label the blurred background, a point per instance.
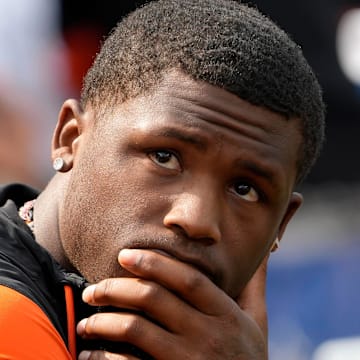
(313, 294)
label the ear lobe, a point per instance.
(295, 202)
(67, 133)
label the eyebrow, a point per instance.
(257, 170)
(201, 144)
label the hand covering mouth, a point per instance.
(197, 264)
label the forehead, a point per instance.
(206, 116)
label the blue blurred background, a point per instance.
(313, 294)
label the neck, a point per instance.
(46, 220)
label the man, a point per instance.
(175, 179)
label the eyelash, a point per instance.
(258, 195)
(152, 154)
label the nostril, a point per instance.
(191, 235)
(178, 230)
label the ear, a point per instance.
(67, 133)
(294, 204)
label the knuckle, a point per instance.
(231, 319)
(132, 328)
(91, 325)
(106, 288)
(215, 344)
(148, 261)
(193, 282)
(149, 293)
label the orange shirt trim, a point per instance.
(26, 333)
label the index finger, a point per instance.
(253, 298)
(183, 279)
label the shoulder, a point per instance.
(25, 330)
(29, 269)
(12, 197)
(18, 193)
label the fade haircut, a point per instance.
(222, 42)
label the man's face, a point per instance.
(190, 170)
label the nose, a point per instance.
(197, 215)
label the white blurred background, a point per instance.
(313, 295)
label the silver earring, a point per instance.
(276, 244)
(58, 163)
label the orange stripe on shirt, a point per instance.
(26, 333)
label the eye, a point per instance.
(246, 191)
(166, 159)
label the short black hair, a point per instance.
(223, 42)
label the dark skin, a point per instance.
(197, 184)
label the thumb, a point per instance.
(253, 298)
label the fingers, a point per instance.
(123, 329)
(104, 355)
(147, 297)
(253, 298)
(161, 294)
(170, 307)
(185, 280)
(211, 338)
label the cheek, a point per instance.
(249, 243)
(102, 211)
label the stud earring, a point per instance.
(58, 163)
(276, 244)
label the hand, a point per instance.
(187, 316)
(252, 301)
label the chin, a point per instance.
(117, 272)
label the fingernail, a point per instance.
(88, 293)
(80, 328)
(84, 355)
(129, 257)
